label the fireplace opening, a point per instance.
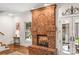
(42, 40)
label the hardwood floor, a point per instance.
(13, 48)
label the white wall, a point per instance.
(25, 18)
(6, 26)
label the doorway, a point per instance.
(70, 36)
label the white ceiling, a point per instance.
(19, 7)
(23, 7)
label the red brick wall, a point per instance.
(43, 23)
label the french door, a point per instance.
(70, 36)
(76, 34)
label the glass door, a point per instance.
(76, 35)
(67, 36)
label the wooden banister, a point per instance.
(2, 33)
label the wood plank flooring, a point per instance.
(13, 48)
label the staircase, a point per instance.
(3, 47)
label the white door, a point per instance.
(76, 35)
(67, 36)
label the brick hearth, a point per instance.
(39, 50)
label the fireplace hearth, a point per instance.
(42, 40)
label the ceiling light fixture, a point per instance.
(47, 4)
(10, 14)
(33, 8)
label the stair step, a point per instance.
(3, 49)
(3, 46)
(2, 41)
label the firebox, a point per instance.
(42, 40)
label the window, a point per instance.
(28, 30)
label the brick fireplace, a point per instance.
(43, 30)
(42, 40)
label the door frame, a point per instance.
(59, 32)
(75, 20)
